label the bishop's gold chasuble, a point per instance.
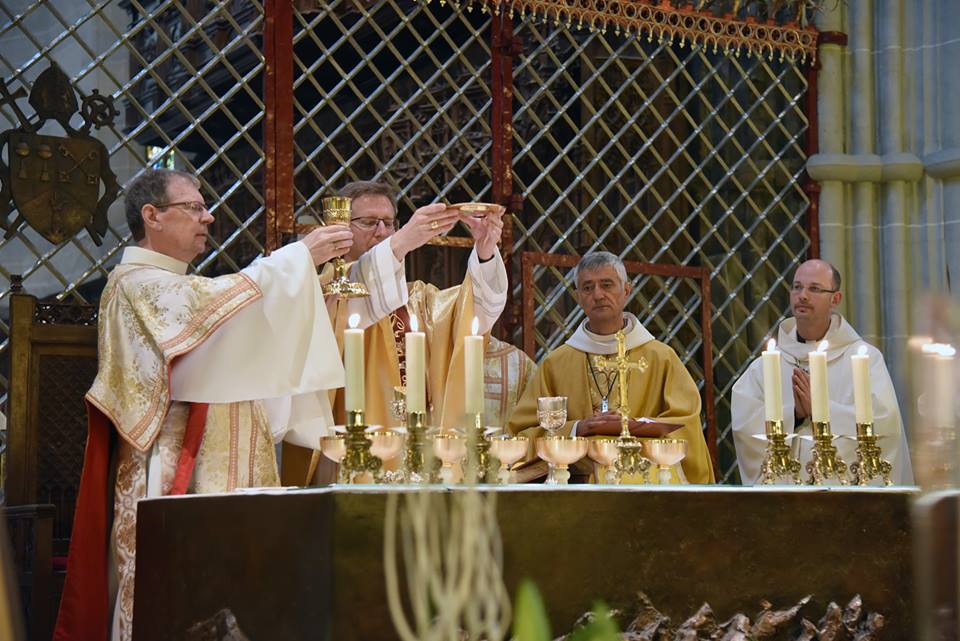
(662, 391)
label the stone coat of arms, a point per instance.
(54, 182)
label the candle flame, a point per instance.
(822, 347)
(862, 350)
(475, 325)
(948, 351)
(414, 323)
(771, 345)
(353, 321)
(940, 349)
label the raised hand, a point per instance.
(427, 222)
(486, 231)
(328, 242)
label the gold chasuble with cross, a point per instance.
(197, 379)
(659, 388)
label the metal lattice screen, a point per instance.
(185, 77)
(662, 154)
(395, 91)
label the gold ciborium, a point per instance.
(450, 448)
(386, 445)
(605, 451)
(508, 450)
(825, 463)
(777, 461)
(336, 211)
(870, 463)
(560, 452)
(665, 453)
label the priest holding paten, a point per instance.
(197, 379)
(663, 401)
(814, 297)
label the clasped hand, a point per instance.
(608, 424)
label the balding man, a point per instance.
(813, 300)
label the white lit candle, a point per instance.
(772, 390)
(353, 365)
(819, 395)
(415, 354)
(941, 402)
(862, 401)
(473, 370)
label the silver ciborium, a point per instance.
(665, 453)
(336, 211)
(561, 452)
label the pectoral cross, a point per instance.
(623, 367)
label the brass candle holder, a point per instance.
(336, 211)
(777, 462)
(870, 463)
(358, 464)
(825, 463)
(419, 465)
(481, 465)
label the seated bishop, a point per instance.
(180, 403)
(663, 400)
(814, 297)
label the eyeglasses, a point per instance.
(813, 289)
(195, 207)
(369, 224)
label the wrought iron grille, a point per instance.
(185, 76)
(395, 91)
(665, 154)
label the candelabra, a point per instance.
(777, 462)
(481, 465)
(825, 463)
(870, 464)
(358, 464)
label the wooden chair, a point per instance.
(53, 361)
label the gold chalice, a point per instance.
(334, 447)
(559, 452)
(508, 450)
(336, 211)
(450, 448)
(605, 451)
(665, 453)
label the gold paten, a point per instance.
(560, 452)
(630, 460)
(825, 463)
(336, 211)
(777, 462)
(358, 464)
(870, 463)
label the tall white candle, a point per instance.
(473, 370)
(862, 400)
(819, 395)
(416, 357)
(772, 390)
(941, 403)
(353, 365)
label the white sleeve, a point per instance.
(489, 281)
(385, 279)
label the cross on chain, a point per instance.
(623, 367)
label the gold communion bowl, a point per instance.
(665, 452)
(449, 448)
(386, 445)
(333, 447)
(508, 449)
(603, 451)
(562, 450)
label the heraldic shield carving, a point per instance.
(54, 182)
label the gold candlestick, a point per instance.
(419, 466)
(870, 463)
(358, 464)
(825, 463)
(631, 459)
(481, 465)
(336, 211)
(777, 462)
